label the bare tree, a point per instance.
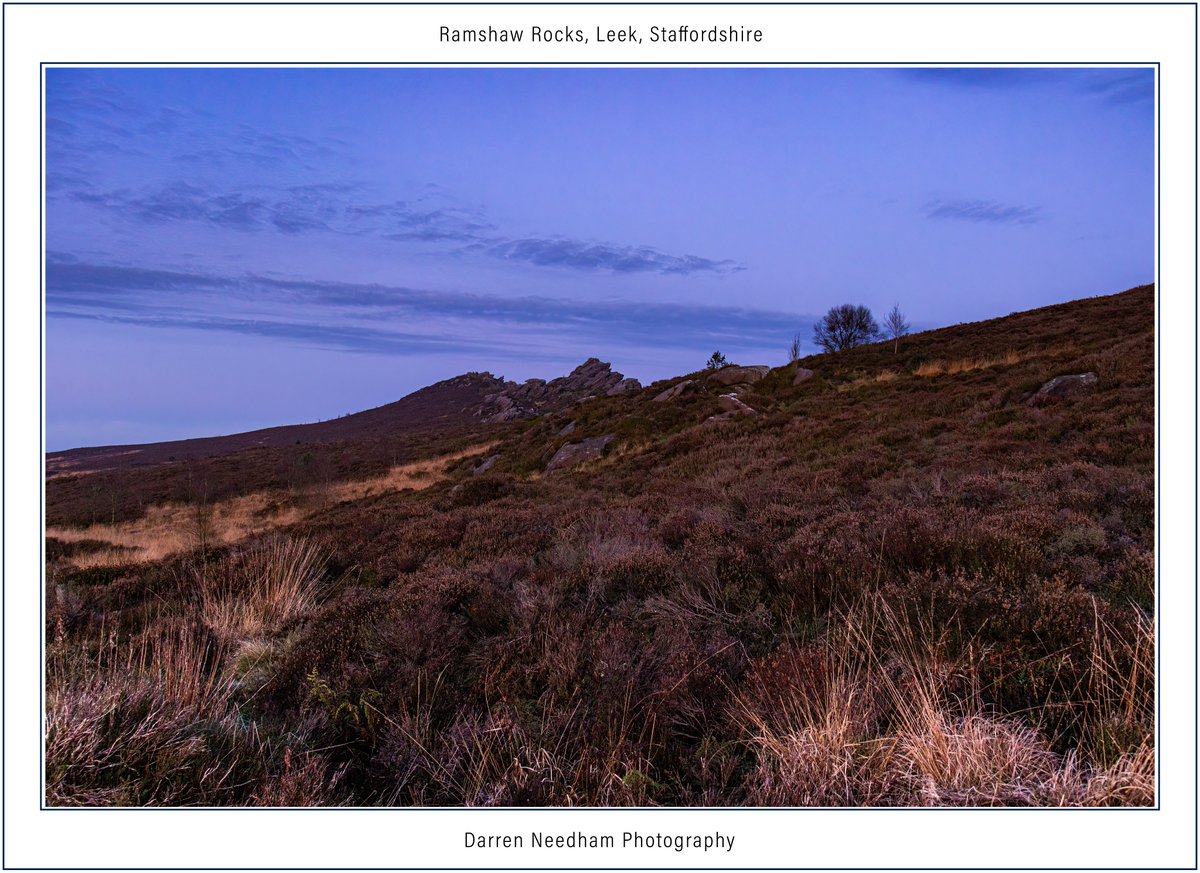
(794, 349)
(202, 527)
(845, 327)
(896, 326)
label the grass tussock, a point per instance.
(267, 586)
(156, 716)
(874, 714)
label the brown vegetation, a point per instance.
(925, 590)
(176, 528)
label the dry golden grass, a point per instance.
(966, 365)
(175, 528)
(875, 379)
(816, 747)
(126, 704)
(154, 721)
(273, 582)
(937, 368)
(415, 476)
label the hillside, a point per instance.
(910, 578)
(119, 483)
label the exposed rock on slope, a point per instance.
(676, 390)
(574, 454)
(625, 386)
(485, 465)
(1064, 386)
(739, 375)
(733, 408)
(592, 378)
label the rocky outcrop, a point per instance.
(802, 375)
(573, 454)
(687, 386)
(499, 407)
(625, 386)
(738, 375)
(732, 408)
(1065, 386)
(568, 429)
(592, 378)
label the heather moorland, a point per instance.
(909, 573)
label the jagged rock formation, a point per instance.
(590, 379)
(573, 454)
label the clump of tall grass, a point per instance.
(878, 713)
(153, 718)
(147, 721)
(274, 581)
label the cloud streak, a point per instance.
(342, 208)
(389, 319)
(981, 212)
(984, 78)
(1115, 86)
(579, 255)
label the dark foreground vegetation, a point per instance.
(908, 580)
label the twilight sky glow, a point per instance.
(231, 249)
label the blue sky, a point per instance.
(230, 249)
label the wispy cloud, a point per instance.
(1117, 86)
(391, 319)
(248, 146)
(344, 338)
(579, 255)
(345, 208)
(982, 211)
(984, 78)
(244, 179)
(1123, 87)
(85, 117)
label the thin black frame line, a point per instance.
(3, 302)
(689, 867)
(600, 65)
(692, 867)
(1158, 764)
(753, 3)
(42, 407)
(1158, 768)
(1195, 414)
(4, 443)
